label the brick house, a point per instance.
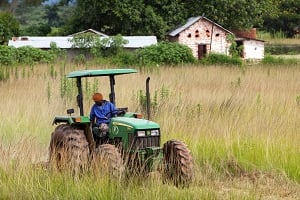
(202, 36)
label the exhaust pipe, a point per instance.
(148, 98)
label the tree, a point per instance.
(127, 17)
(9, 27)
(234, 14)
(288, 20)
(12, 5)
(33, 20)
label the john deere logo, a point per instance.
(115, 130)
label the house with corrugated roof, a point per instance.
(134, 42)
(64, 42)
(204, 36)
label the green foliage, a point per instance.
(112, 45)
(127, 17)
(234, 50)
(98, 46)
(156, 17)
(84, 40)
(166, 53)
(27, 55)
(125, 59)
(33, 19)
(9, 27)
(287, 21)
(235, 14)
(153, 24)
(56, 51)
(271, 60)
(8, 55)
(30, 55)
(221, 59)
(279, 49)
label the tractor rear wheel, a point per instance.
(69, 149)
(108, 160)
(178, 163)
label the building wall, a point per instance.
(253, 49)
(206, 33)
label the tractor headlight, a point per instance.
(141, 133)
(155, 132)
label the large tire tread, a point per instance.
(69, 149)
(108, 159)
(178, 163)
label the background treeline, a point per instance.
(141, 17)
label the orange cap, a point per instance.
(97, 97)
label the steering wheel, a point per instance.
(118, 112)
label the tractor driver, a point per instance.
(100, 115)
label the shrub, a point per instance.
(271, 60)
(30, 55)
(8, 55)
(277, 49)
(166, 53)
(56, 51)
(125, 58)
(26, 55)
(214, 59)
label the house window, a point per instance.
(218, 34)
(197, 33)
(189, 35)
(207, 33)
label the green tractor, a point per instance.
(132, 143)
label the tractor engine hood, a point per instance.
(134, 123)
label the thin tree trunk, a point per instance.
(13, 6)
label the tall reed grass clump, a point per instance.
(241, 125)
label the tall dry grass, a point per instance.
(241, 124)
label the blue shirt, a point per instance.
(101, 112)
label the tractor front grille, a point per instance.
(136, 143)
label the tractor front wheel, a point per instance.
(108, 160)
(178, 163)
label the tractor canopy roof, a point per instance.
(100, 72)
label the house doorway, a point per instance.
(202, 50)
(239, 46)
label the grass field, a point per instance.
(241, 124)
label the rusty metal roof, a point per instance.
(190, 22)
